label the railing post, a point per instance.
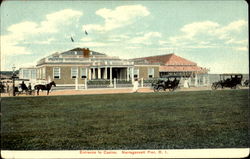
(141, 82)
(85, 84)
(110, 76)
(208, 82)
(114, 82)
(76, 83)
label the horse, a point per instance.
(44, 87)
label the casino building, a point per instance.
(81, 63)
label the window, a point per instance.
(40, 73)
(57, 73)
(84, 73)
(33, 74)
(43, 73)
(26, 74)
(74, 72)
(37, 73)
(150, 72)
(136, 73)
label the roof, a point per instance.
(79, 51)
(182, 69)
(168, 59)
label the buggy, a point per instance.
(168, 82)
(232, 81)
(23, 89)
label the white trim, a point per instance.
(147, 65)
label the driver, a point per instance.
(23, 86)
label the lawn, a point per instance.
(169, 120)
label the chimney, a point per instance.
(86, 52)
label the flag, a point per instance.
(86, 33)
(72, 39)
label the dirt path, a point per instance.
(108, 91)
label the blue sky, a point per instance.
(213, 34)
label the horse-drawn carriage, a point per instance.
(23, 89)
(232, 81)
(168, 82)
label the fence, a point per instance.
(199, 81)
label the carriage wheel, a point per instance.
(219, 87)
(238, 86)
(213, 86)
(155, 89)
(161, 89)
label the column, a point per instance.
(110, 75)
(208, 82)
(189, 81)
(204, 80)
(132, 74)
(105, 73)
(99, 73)
(196, 80)
(90, 74)
(94, 77)
(127, 73)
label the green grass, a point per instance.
(169, 120)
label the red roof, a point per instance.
(168, 59)
(182, 69)
(174, 63)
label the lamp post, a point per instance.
(13, 80)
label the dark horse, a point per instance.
(45, 87)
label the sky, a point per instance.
(214, 34)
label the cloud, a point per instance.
(117, 38)
(47, 41)
(208, 34)
(51, 24)
(235, 26)
(163, 42)
(21, 33)
(119, 17)
(234, 41)
(195, 28)
(241, 48)
(90, 44)
(147, 38)
(133, 47)
(26, 27)
(86, 39)
(57, 19)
